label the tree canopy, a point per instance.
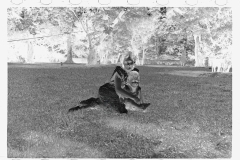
(101, 34)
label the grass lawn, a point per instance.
(190, 115)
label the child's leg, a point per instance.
(140, 96)
(132, 102)
(142, 104)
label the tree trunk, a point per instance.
(142, 51)
(137, 59)
(199, 57)
(143, 56)
(196, 39)
(113, 60)
(69, 49)
(135, 51)
(92, 57)
(156, 45)
(30, 53)
(92, 60)
(183, 58)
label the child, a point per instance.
(132, 85)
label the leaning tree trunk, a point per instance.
(113, 58)
(69, 49)
(119, 58)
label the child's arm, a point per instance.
(122, 91)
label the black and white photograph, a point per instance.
(119, 82)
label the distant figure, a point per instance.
(217, 64)
(61, 63)
(220, 65)
(114, 93)
(227, 66)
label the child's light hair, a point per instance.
(133, 75)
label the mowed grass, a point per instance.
(190, 115)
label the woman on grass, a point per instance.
(111, 94)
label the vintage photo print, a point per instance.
(120, 79)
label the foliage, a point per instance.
(152, 31)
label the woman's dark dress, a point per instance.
(107, 94)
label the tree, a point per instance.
(141, 27)
(98, 24)
(31, 20)
(201, 23)
(106, 33)
(19, 20)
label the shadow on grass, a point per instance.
(171, 143)
(32, 144)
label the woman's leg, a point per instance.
(90, 101)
